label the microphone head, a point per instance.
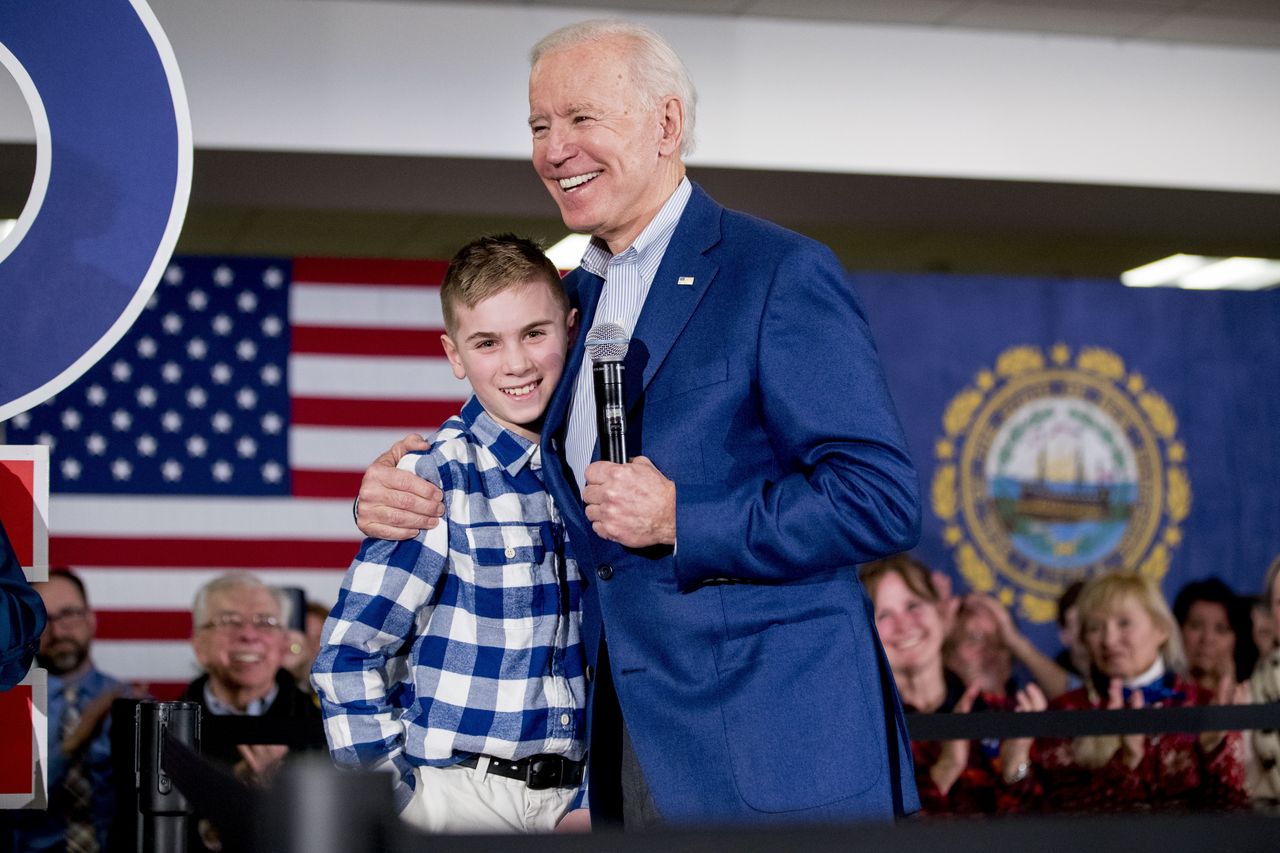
(607, 342)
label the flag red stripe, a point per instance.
(143, 624)
(165, 691)
(358, 271)
(342, 412)
(197, 553)
(344, 340)
(326, 484)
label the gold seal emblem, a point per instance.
(1053, 468)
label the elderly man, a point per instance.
(239, 639)
(81, 793)
(738, 675)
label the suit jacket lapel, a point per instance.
(584, 294)
(670, 304)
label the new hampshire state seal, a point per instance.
(1053, 467)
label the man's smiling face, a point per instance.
(238, 650)
(605, 156)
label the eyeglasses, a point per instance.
(233, 622)
(68, 616)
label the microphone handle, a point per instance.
(611, 412)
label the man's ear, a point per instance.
(451, 351)
(197, 643)
(571, 324)
(671, 116)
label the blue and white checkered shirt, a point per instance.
(464, 640)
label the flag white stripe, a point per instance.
(182, 516)
(344, 449)
(120, 588)
(373, 378)
(365, 306)
(146, 660)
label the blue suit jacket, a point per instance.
(22, 617)
(747, 665)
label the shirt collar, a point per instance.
(654, 238)
(1151, 676)
(256, 708)
(512, 451)
(90, 682)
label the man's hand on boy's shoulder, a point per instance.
(395, 504)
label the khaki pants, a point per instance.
(470, 799)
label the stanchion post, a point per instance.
(315, 808)
(162, 809)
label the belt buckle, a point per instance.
(544, 773)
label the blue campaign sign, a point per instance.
(113, 175)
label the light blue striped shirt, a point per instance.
(627, 276)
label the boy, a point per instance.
(455, 656)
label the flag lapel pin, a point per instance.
(685, 281)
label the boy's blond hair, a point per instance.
(491, 264)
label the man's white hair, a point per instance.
(655, 66)
(200, 614)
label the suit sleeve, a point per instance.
(22, 617)
(847, 491)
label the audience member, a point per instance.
(1217, 633)
(239, 641)
(984, 643)
(81, 795)
(1264, 627)
(1264, 686)
(304, 645)
(955, 777)
(1136, 661)
(1074, 657)
(21, 617)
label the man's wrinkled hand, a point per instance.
(395, 504)
(632, 504)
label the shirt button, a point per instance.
(604, 572)
(564, 719)
(510, 552)
(590, 673)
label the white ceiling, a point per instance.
(1245, 23)
(248, 200)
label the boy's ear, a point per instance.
(451, 351)
(571, 324)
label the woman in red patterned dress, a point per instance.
(1137, 661)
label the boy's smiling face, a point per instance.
(511, 346)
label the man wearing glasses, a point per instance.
(239, 639)
(81, 795)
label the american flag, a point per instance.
(228, 430)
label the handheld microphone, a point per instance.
(607, 345)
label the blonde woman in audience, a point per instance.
(1136, 661)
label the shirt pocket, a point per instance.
(507, 561)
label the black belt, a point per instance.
(537, 771)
